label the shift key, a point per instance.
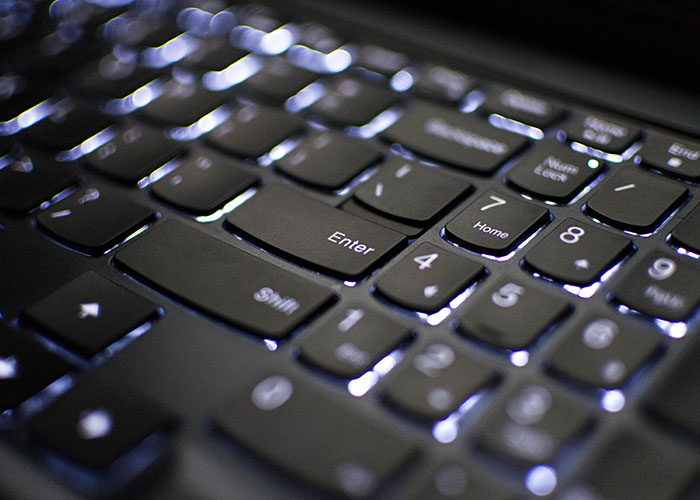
(313, 234)
(221, 280)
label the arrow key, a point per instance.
(90, 313)
(427, 278)
(577, 253)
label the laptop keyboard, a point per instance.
(432, 283)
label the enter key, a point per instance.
(313, 234)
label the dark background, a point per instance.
(655, 39)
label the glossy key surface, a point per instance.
(445, 134)
(336, 448)
(312, 233)
(222, 281)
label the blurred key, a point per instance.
(604, 351)
(97, 422)
(68, 124)
(601, 132)
(94, 220)
(31, 179)
(253, 130)
(447, 135)
(661, 284)
(522, 106)
(328, 160)
(136, 152)
(337, 449)
(532, 424)
(433, 382)
(675, 399)
(673, 155)
(26, 367)
(629, 467)
(203, 183)
(354, 102)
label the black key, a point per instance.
(26, 367)
(435, 81)
(90, 313)
(451, 480)
(134, 154)
(577, 253)
(93, 221)
(672, 155)
(522, 106)
(97, 422)
(355, 208)
(380, 59)
(29, 180)
(554, 172)
(411, 192)
(686, 233)
(511, 314)
(531, 425)
(601, 132)
(435, 381)
(328, 160)
(277, 80)
(427, 278)
(182, 104)
(214, 54)
(68, 124)
(160, 31)
(603, 351)
(113, 78)
(21, 98)
(52, 57)
(351, 341)
(495, 224)
(354, 102)
(364, 452)
(675, 399)
(630, 466)
(222, 281)
(635, 201)
(447, 135)
(7, 144)
(203, 183)
(312, 233)
(254, 130)
(662, 285)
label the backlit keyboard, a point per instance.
(239, 243)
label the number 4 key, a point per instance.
(427, 278)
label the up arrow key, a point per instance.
(582, 264)
(89, 310)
